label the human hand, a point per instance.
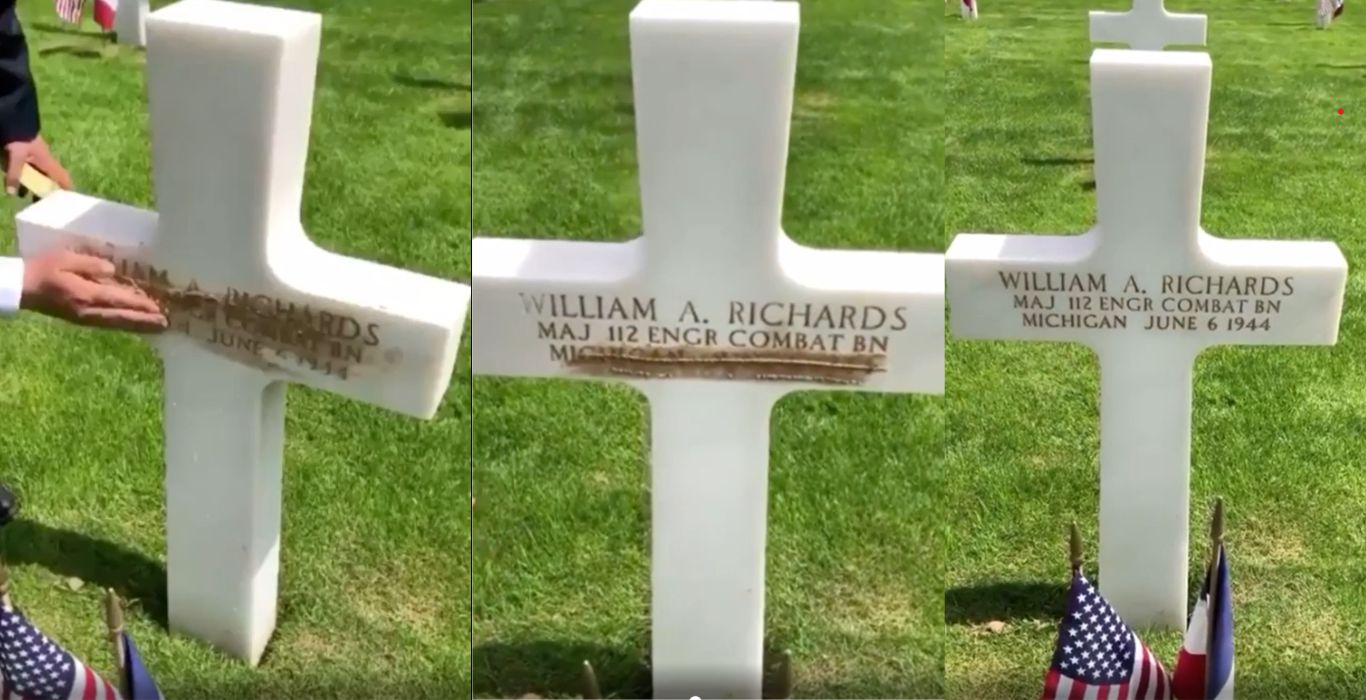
(40, 156)
(84, 290)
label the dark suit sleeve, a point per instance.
(18, 95)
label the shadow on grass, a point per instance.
(456, 120)
(316, 684)
(49, 28)
(77, 51)
(555, 669)
(1339, 66)
(99, 562)
(429, 83)
(1058, 161)
(1089, 185)
(1005, 601)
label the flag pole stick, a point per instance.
(4, 583)
(113, 619)
(1074, 550)
(1216, 531)
(786, 681)
(591, 691)
(1216, 540)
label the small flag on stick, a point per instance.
(104, 13)
(1204, 666)
(70, 11)
(134, 680)
(33, 667)
(1097, 655)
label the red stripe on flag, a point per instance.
(1078, 691)
(1050, 685)
(89, 689)
(1188, 683)
(70, 10)
(1145, 675)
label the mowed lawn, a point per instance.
(374, 588)
(856, 517)
(1277, 431)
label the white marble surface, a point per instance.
(130, 22)
(254, 303)
(1147, 289)
(1148, 26)
(693, 313)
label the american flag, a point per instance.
(70, 10)
(34, 668)
(1204, 666)
(1098, 657)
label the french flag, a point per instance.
(1204, 667)
(104, 13)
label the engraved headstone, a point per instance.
(1148, 26)
(1147, 289)
(713, 314)
(253, 303)
(130, 22)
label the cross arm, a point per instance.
(1230, 292)
(353, 327)
(71, 220)
(1009, 286)
(536, 302)
(1148, 29)
(1309, 280)
(396, 331)
(910, 285)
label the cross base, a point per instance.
(224, 451)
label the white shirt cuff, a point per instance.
(11, 285)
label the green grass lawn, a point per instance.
(374, 590)
(855, 549)
(1276, 430)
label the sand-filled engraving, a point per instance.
(259, 329)
(694, 362)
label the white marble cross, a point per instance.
(1147, 289)
(130, 22)
(1148, 27)
(253, 303)
(713, 314)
